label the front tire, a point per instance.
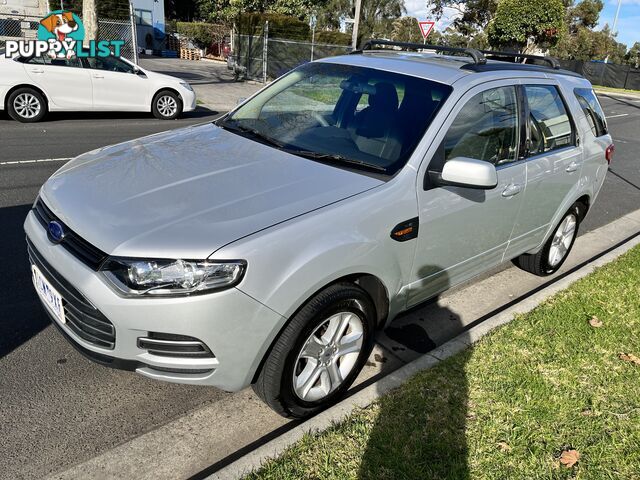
(27, 105)
(320, 352)
(167, 105)
(554, 253)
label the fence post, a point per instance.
(134, 32)
(265, 52)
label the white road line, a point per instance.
(620, 115)
(43, 160)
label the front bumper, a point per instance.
(236, 328)
(189, 100)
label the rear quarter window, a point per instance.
(592, 110)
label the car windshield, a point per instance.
(345, 115)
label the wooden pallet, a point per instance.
(190, 54)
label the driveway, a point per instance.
(212, 81)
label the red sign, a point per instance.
(426, 27)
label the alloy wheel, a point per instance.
(328, 356)
(27, 105)
(562, 240)
(167, 106)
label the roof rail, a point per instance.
(476, 55)
(552, 61)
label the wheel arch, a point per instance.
(371, 284)
(25, 85)
(585, 201)
(166, 89)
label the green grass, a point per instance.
(509, 407)
(618, 90)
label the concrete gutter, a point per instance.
(610, 93)
(370, 394)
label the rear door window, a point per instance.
(486, 128)
(592, 110)
(550, 127)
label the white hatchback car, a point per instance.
(31, 87)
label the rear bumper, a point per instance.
(233, 326)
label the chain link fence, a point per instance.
(264, 58)
(21, 27)
(18, 27)
(119, 30)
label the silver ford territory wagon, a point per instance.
(268, 247)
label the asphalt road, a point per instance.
(58, 409)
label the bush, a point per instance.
(333, 37)
(280, 26)
(202, 34)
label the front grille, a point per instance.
(72, 242)
(82, 318)
(171, 345)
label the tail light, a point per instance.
(608, 153)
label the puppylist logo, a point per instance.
(61, 35)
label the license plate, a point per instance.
(48, 294)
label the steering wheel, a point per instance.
(321, 120)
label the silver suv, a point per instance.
(267, 248)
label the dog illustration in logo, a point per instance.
(60, 25)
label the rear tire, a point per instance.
(554, 253)
(167, 105)
(27, 105)
(312, 364)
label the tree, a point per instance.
(588, 45)
(584, 14)
(633, 55)
(521, 26)
(406, 29)
(473, 15)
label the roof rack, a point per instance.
(476, 55)
(552, 61)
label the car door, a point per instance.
(66, 83)
(116, 86)
(464, 231)
(554, 162)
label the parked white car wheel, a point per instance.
(167, 105)
(27, 105)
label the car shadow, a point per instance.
(22, 314)
(419, 430)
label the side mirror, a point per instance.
(469, 172)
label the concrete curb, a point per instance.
(629, 96)
(370, 394)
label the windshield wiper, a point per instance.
(252, 132)
(333, 158)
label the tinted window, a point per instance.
(355, 116)
(110, 64)
(549, 123)
(486, 128)
(58, 62)
(592, 110)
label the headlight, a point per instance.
(135, 277)
(187, 86)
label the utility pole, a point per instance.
(615, 25)
(90, 21)
(356, 24)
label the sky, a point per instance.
(628, 21)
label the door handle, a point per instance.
(511, 190)
(96, 75)
(36, 70)
(573, 166)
